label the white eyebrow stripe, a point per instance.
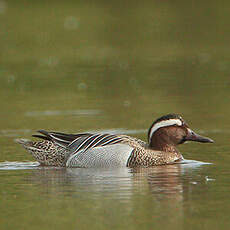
(164, 124)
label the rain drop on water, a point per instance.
(71, 23)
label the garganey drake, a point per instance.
(108, 150)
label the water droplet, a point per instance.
(3, 7)
(50, 61)
(127, 103)
(133, 81)
(71, 23)
(11, 78)
(223, 66)
(82, 86)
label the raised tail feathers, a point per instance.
(45, 152)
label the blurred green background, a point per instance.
(77, 66)
(153, 56)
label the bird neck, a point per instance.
(162, 143)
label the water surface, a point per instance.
(114, 67)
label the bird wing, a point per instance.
(77, 142)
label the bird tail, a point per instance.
(27, 144)
(45, 152)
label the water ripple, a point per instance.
(15, 165)
(14, 132)
(79, 112)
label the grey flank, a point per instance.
(106, 156)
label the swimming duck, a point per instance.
(108, 150)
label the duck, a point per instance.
(87, 150)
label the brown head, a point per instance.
(171, 130)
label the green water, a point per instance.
(87, 66)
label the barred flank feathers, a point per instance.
(93, 141)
